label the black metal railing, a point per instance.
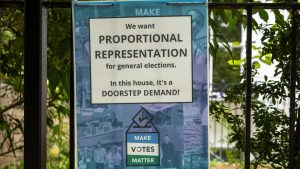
(36, 74)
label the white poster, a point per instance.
(141, 59)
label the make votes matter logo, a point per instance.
(142, 141)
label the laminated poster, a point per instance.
(141, 98)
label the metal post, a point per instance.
(35, 90)
(293, 60)
(248, 85)
(72, 106)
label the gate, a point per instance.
(35, 76)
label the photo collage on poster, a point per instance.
(105, 131)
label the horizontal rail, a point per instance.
(20, 4)
(14, 4)
(57, 4)
(212, 5)
(231, 5)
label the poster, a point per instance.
(141, 98)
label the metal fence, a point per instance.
(35, 69)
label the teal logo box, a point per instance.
(143, 149)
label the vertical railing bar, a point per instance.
(72, 103)
(248, 85)
(35, 88)
(293, 69)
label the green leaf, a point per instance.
(228, 48)
(256, 64)
(212, 49)
(264, 15)
(234, 62)
(236, 43)
(254, 11)
(255, 24)
(278, 17)
(267, 59)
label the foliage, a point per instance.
(270, 136)
(12, 74)
(220, 48)
(233, 157)
(59, 43)
(11, 84)
(222, 71)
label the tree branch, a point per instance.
(11, 106)
(12, 150)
